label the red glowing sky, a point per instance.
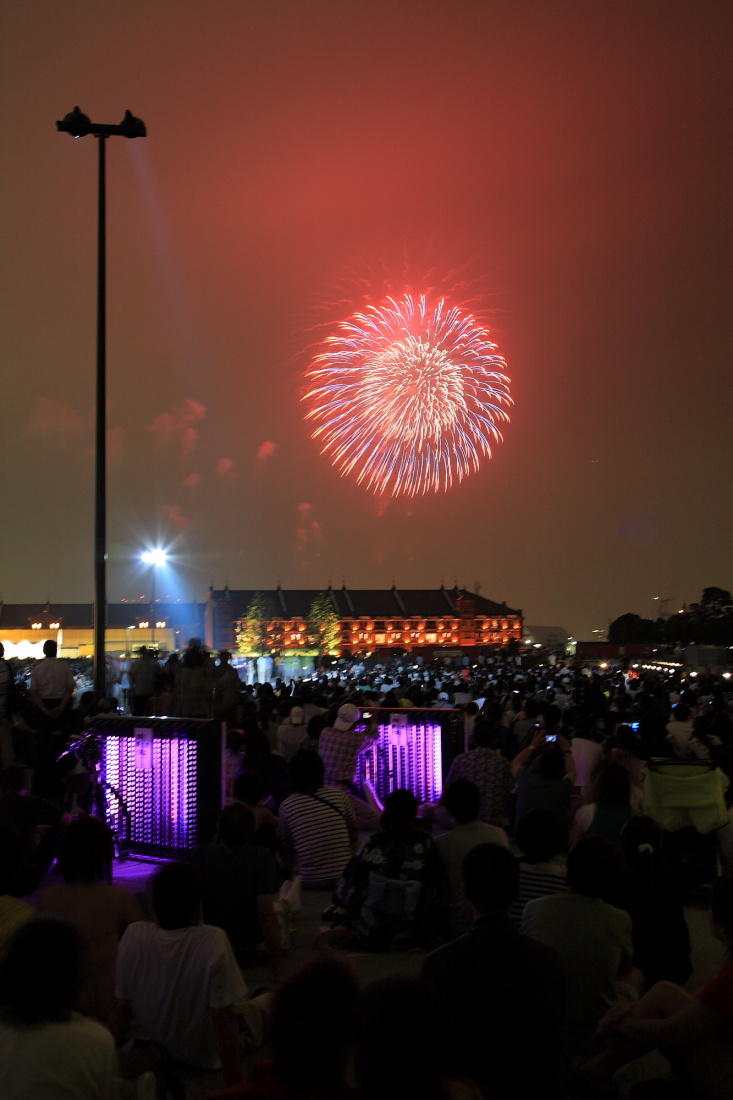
(576, 155)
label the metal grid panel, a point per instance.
(168, 774)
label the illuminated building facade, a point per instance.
(442, 620)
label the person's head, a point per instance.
(41, 971)
(297, 715)
(399, 1050)
(347, 715)
(313, 1022)
(490, 878)
(236, 825)
(613, 786)
(462, 800)
(50, 649)
(176, 896)
(400, 811)
(248, 788)
(224, 656)
(594, 865)
(680, 712)
(721, 911)
(540, 835)
(306, 771)
(86, 851)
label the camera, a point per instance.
(550, 737)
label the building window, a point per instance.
(431, 638)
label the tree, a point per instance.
(252, 637)
(632, 628)
(323, 625)
(711, 620)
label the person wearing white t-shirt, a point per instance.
(181, 982)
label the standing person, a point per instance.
(499, 993)
(10, 707)
(340, 746)
(195, 683)
(141, 673)
(52, 685)
(226, 690)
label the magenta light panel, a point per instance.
(407, 755)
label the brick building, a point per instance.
(370, 620)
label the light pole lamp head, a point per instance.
(75, 123)
(79, 125)
(132, 127)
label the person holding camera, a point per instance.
(544, 773)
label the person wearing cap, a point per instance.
(340, 745)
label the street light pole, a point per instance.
(79, 125)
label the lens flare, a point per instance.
(406, 396)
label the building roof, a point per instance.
(360, 603)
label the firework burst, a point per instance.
(406, 396)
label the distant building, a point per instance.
(24, 627)
(548, 637)
(370, 620)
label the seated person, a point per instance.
(180, 980)
(695, 1030)
(313, 1022)
(13, 910)
(394, 891)
(400, 1053)
(499, 993)
(540, 837)
(98, 910)
(462, 800)
(544, 773)
(248, 788)
(46, 1048)
(592, 937)
(239, 885)
(317, 823)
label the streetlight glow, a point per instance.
(154, 557)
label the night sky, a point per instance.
(565, 164)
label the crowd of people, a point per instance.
(546, 897)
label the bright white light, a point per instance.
(154, 557)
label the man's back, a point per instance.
(500, 999)
(453, 847)
(173, 978)
(231, 883)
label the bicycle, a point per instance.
(87, 794)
